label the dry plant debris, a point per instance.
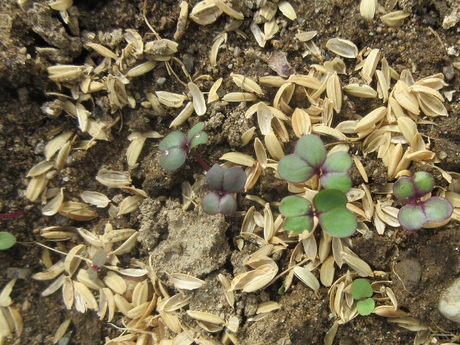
(135, 295)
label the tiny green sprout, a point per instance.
(310, 158)
(176, 146)
(329, 206)
(7, 240)
(417, 212)
(282, 288)
(361, 290)
(223, 183)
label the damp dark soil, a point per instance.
(419, 264)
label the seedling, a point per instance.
(310, 159)
(361, 290)
(7, 240)
(418, 211)
(176, 146)
(223, 182)
(99, 259)
(329, 206)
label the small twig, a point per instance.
(11, 215)
(144, 11)
(435, 34)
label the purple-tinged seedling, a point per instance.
(176, 146)
(418, 212)
(310, 158)
(223, 182)
(329, 206)
(99, 259)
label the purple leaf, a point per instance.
(438, 209)
(228, 180)
(214, 203)
(404, 189)
(412, 217)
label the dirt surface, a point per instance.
(420, 265)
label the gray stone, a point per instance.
(196, 244)
(449, 304)
(410, 272)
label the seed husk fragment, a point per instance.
(307, 278)
(334, 91)
(186, 282)
(246, 83)
(206, 317)
(83, 297)
(72, 261)
(112, 178)
(83, 276)
(370, 64)
(239, 97)
(130, 204)
(77, 211)
(306, 35)
(342, 47)
(95, 198)
(367, 9)
(199, 103)
(40, 168)
(176, 302)
(205, 12)
(395, 18)
(258, 34)
(363, 91)
(371, 119)
(287, 10)
(60, 5)
(141, 69)
(56, 144)
(122, 304)
(229, 11)
(115, 282)
(171, 100)
(53, 206)
(212, 95)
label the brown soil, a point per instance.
(195, 243)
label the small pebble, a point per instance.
(410, 272)
(449, 72)
(449, 304)
(161, 81)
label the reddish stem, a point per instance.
(11, 215)
(200, 160)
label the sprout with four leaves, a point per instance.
(310, 159)
(329, 205)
